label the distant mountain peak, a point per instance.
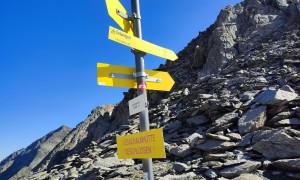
(33, 154)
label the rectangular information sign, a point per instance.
(147, 144)
(137, 104)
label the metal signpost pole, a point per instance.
(141, 79)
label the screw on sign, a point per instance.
(142, 86)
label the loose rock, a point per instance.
(252, 120)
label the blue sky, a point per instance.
(49, 50)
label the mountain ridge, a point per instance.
(33, 154)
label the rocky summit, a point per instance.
(234, 112)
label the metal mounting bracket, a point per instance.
(135, 16)
(140, 74)
(134, 76)
(138, 51)
(157, 80)
(121, 76)
(123, 15)
(148, 79)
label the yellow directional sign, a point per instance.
(147, 144)
(116, 11)
(121, 76)
(137, 43)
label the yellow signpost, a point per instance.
(122, 76)
(147, 144)
(139, 44)
(118, 13)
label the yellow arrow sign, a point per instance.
(116, 11)
(137, 43)
(121, 76)
(147, 144)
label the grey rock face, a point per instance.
(292, 121)
(248, 177)
(281, 116)
(211, 174)
(24, 172)
(287, 164)
(235, 171)
(275, 97)
(222, 121)
(294, 175)
(215, 145)
(217, 137)
(7, 162)
(282, 144)
(252, 120)
(239, 29)
(95, 126)
(188, 176)
(180, 151)
(197, 120)
(199, 57)
(195, 139)
(248, 95)
(215, 157)
(180, 167)
(39, 175)
(234, 136)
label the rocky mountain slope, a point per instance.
(93, 128)
(31, 156)
(234, 112)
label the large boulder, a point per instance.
(252, 120)
(222, 122)
(187, 176)
(179, 151)
(211, 145)
(234, 171)
(248, 177)
(275, 97)
(287, 164)
(282, 144)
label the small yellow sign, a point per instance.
(147, 144)
(115, 8)
(122, 76)
(137, 43)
